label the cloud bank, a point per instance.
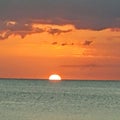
(84, 14)
(23, 28)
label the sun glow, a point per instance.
(54, 77)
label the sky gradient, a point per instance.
(78, 39)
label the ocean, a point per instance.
(65, 100)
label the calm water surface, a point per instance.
(66, 100)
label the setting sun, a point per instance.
(54, 77)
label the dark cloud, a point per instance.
(54, 43)
(87, 42)
(16, 28)
(72, 44)
(84, 14)
(20, 28)
(23, 28)
(57, 31)
(64, 44)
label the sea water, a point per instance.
(65, 100)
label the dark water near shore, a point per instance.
(66, 100)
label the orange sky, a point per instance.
(63, 49)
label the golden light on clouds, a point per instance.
(54, 26)
(66, 43)
(64, 49)
(11, 23)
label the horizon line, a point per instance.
(41, 79)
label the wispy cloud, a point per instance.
(90, 65)
(82, 65)
(87, 42)
(115, 29)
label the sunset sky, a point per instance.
(77, 39)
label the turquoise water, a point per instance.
(66, 100)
